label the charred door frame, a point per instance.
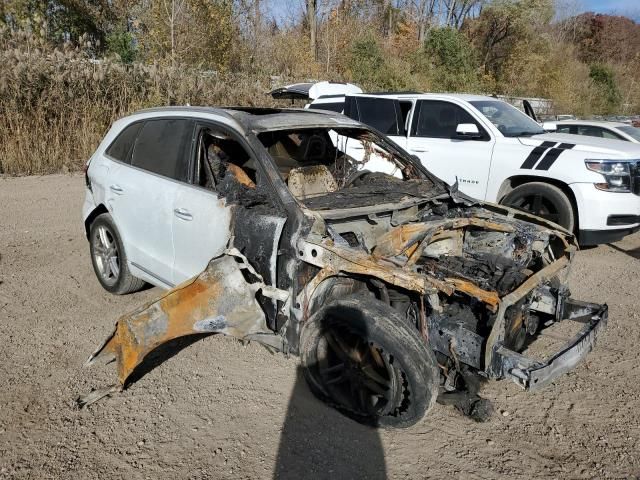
(297, 225)
(256, 232)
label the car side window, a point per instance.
(589, 131)
(330, 106)
(609, 134)
(120, 149)
(564, 129)
(221, 159)
(439, 119)
(163, 147)
(380, 113)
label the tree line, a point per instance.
(71, 67)
(587, 62)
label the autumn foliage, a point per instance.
(72, 67)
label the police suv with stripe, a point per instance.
(497, 153)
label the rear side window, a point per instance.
(438, 119)
(609, 134)
(121, 147)
(333, 106)
(589, 131)
(163, 147)
(380, 113)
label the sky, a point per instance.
(284, 10)
(630, 8)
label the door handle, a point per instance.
(116, 189)
(419, 150)
(183, 214)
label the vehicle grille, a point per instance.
(635, 177)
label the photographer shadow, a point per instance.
(317, 442)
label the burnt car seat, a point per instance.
(305, 182)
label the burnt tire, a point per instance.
(543, 200)
(109, 258)
(392, 380)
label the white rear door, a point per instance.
(201, 217)
(142, 195)
(201, 230)
(141, 207)
(433, 139)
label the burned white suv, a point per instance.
(393, 288)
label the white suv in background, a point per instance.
(496, 153)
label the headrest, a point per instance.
(313, 149)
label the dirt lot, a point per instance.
(219, 409)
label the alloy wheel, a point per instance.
(105, 254)
(539, 206)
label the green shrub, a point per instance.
(604, 81)
(371, 69)
(451, 60)
(121, 43)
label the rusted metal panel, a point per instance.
(240, 176)
(488, 297)
(348, 260)
(219, 300)
(398, 240)
(337, 259)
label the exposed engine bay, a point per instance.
(492, 284)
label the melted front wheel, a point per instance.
(360, 356)
(359, 374)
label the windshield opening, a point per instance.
(631, 131)
(508, 119)
(341, 168)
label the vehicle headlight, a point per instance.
(616, 173)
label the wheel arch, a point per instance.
(515, 181)
(99, 210)
(334, 287)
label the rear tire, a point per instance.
(109, 258)
(361, 357)
(543, 200)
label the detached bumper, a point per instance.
(531, 374)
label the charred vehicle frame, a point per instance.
(393, 288)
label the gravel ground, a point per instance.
(219, 409)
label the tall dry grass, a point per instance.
(57, 104)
